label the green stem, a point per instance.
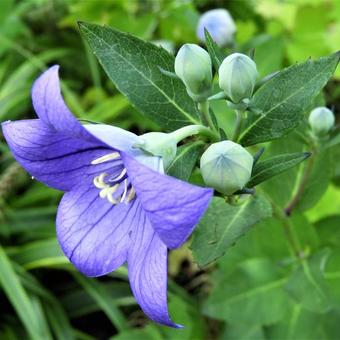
(238, 125)
(191, 130)
(302, 185)
(204, 110)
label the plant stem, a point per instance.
(191, 130)
(302, 185)
(287, 227)
(203, 107)
(238, 125)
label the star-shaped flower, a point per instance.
(118, 205)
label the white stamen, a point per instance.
(98, 181)
(125, 191)
(106, 158)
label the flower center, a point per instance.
(115, 186)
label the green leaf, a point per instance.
(45, 253)
(185, 160)
(283, 99)
(237, 332)
(298, 323)
(133, 66)
(23, 305)
(101, 296)
(224, 224)
(251, 295)
(216, 54)
(274, 166)
(150, 332)
(308, 286)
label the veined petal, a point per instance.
(147, 265)
(173, 207)
(93, 233)
(53, 158)
(51, 108)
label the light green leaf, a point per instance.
(308, 286)
(185, 160)
(45, 253)
(244, 332)
(283, 99)
(224, 224)
(252, 295)
(298, 323)
(274, 166)
(133, 65)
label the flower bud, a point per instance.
(219, 24)
(226, 167)
(321, 120)
(193, 67)
(237, 76)
(159, 144)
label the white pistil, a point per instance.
(106, 158)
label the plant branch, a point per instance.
(302, 185)
(203, 107)
(238, 125)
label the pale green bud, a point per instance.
(237, 76)
(321, 120)
(226, 167)
(159, 144)
(193, 67)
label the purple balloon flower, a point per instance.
(118, 205)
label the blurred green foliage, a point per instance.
(257, 290)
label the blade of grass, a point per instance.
(101, 296)
(19, 298)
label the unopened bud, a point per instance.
(220, 25)
(237, 76)
(226, 167)
(321, 121)
(193, 67)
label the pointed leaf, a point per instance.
(216, 54)
(282, 100)
(274, 166)
(224, 224)
(185, 160)
(134, 67)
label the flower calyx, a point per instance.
(226, 166)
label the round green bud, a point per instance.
(193, 67)
(226, 167)
(321, 120)
(159, 144)
(237, 76)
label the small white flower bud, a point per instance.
(226, 167)
(321, 120)
(193, 67)
(237, 76)
(219, 24)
